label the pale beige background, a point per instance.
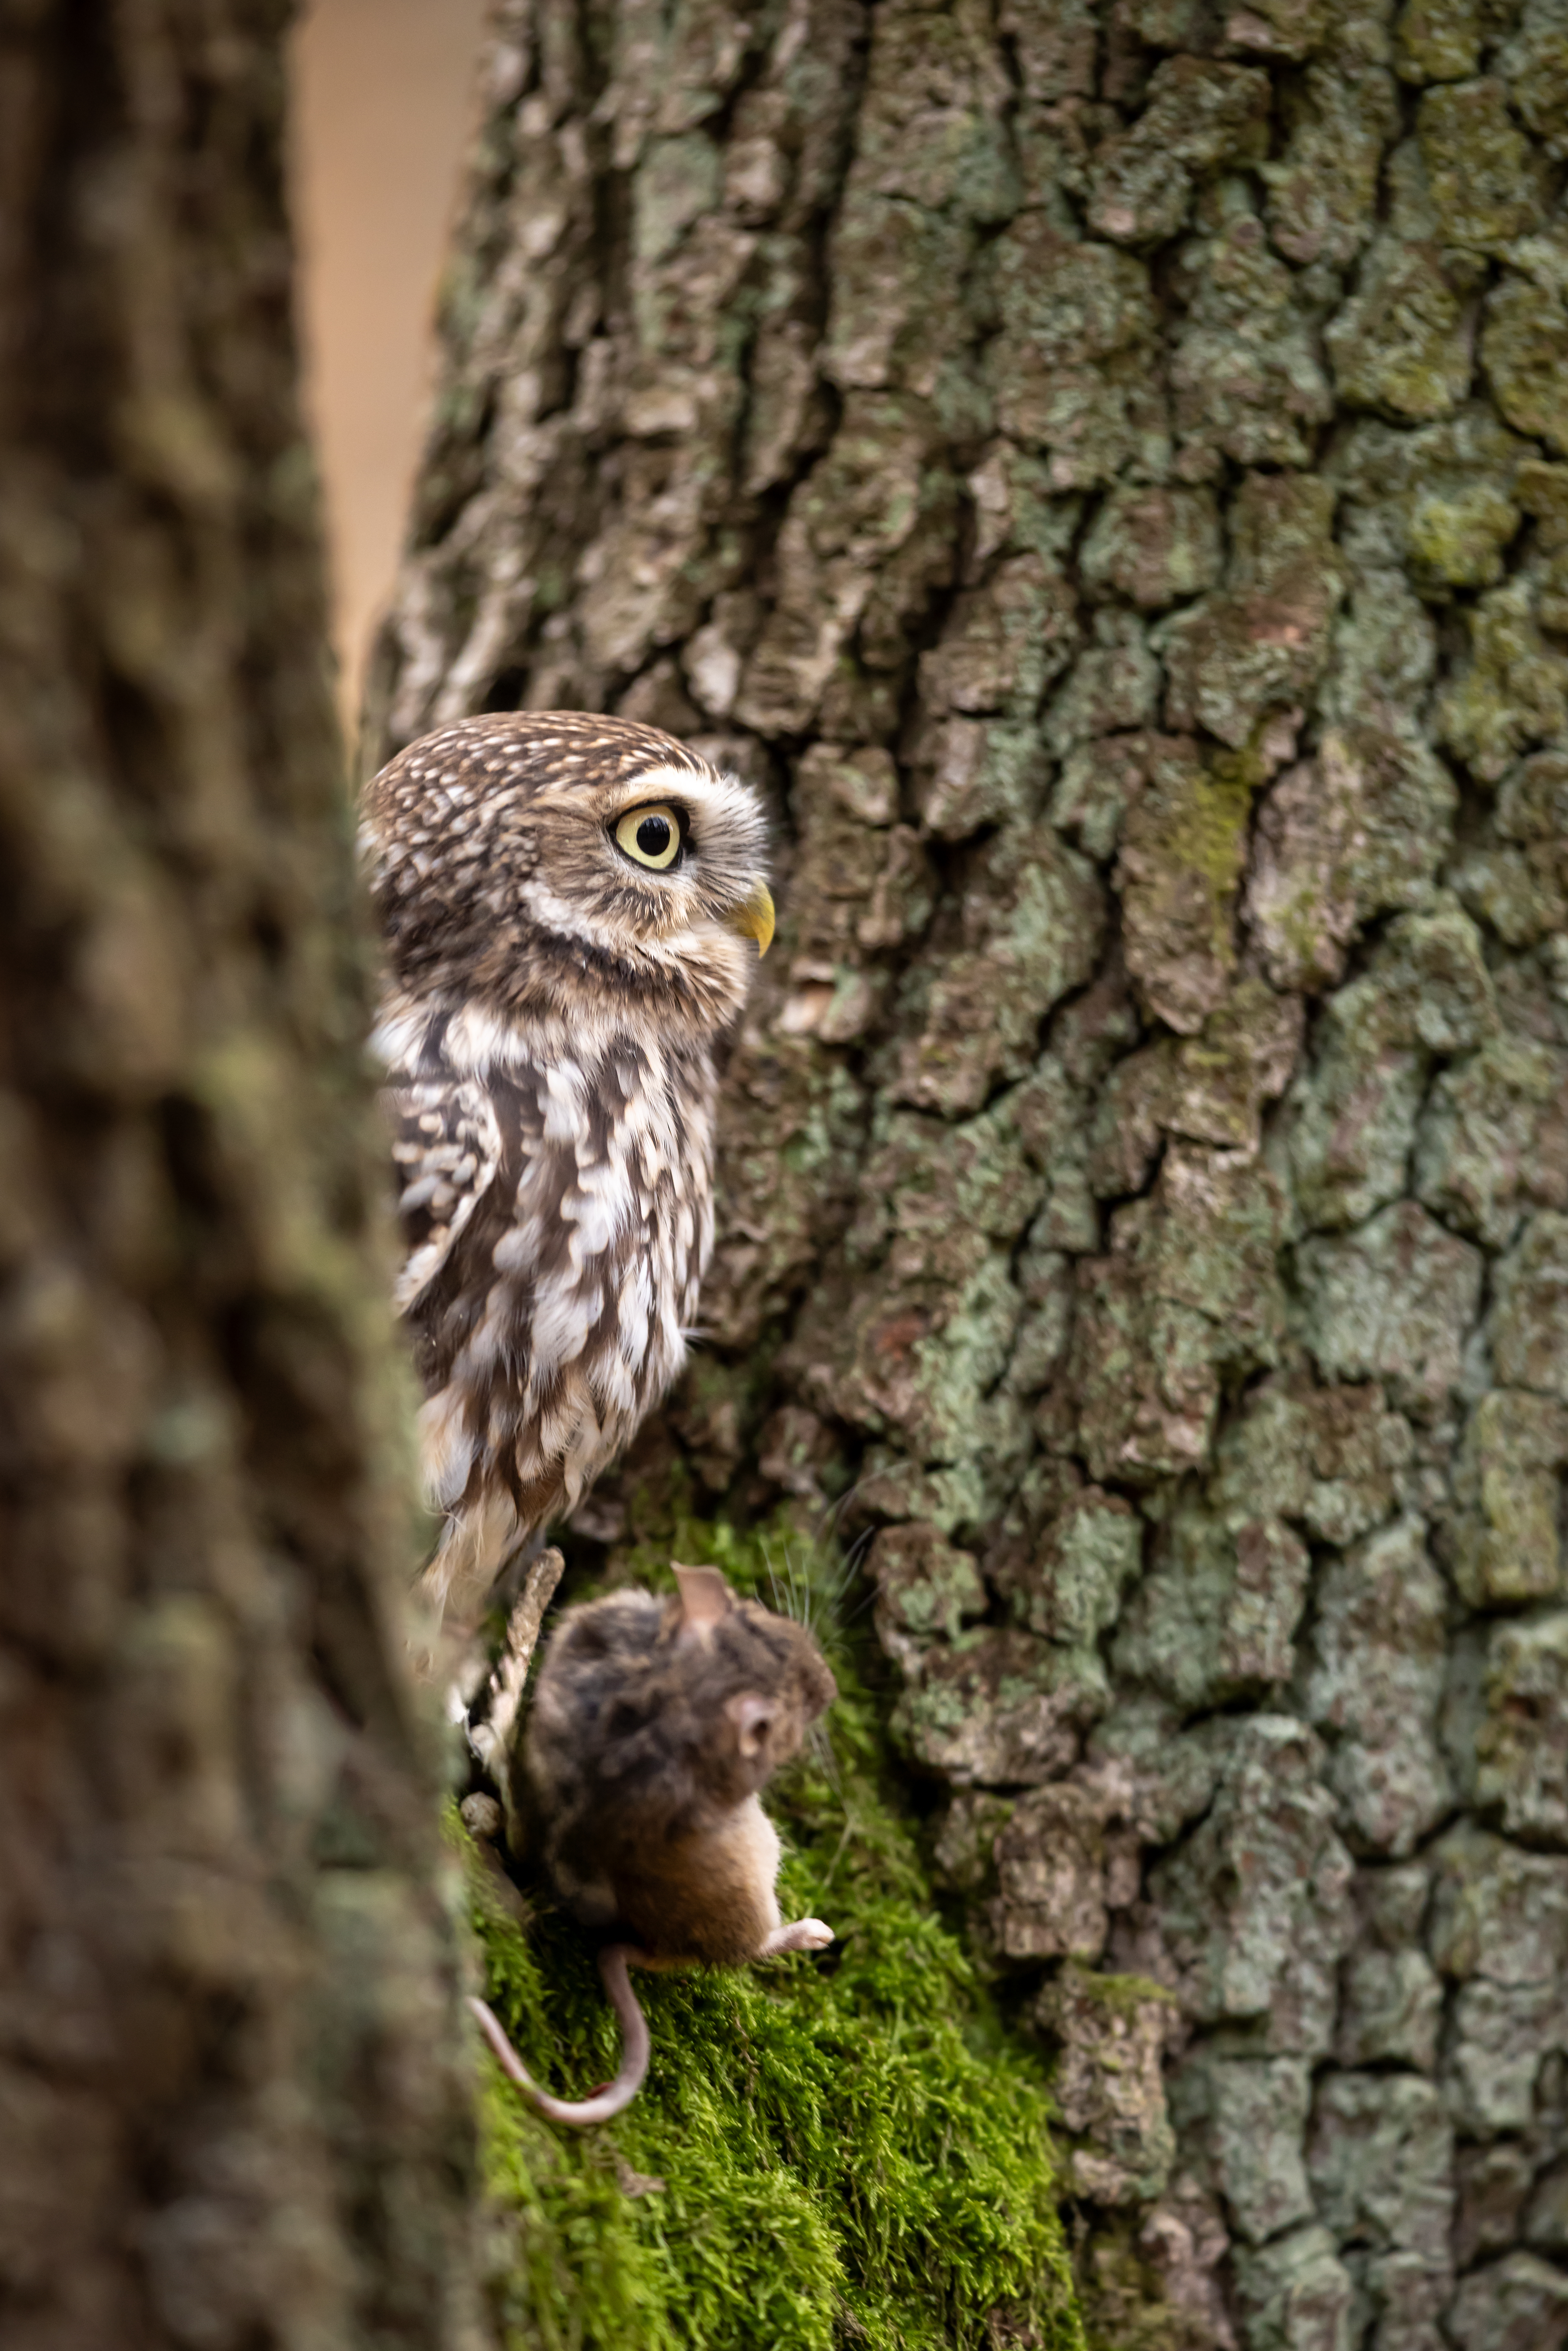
(381, 119)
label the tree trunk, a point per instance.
(1098, 464)
(230, 2113)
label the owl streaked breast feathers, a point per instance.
(568, 904)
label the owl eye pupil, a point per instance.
(651, 837)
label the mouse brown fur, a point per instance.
(655, 1724)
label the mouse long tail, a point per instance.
(616, 2095)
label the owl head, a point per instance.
(546, 859)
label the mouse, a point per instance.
(656, 1723)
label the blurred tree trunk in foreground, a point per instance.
(229, 2113)
(1099, 463)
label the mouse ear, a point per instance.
(753, 1717)
(706, 1598)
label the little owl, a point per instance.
(567, 902)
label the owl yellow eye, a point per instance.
(649, 836)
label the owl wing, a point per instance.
(447, 1148)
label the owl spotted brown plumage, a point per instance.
(567, 903)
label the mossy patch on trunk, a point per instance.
(852, 2151)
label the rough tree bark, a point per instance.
(1099, 463)
(229, 2109)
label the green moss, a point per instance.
(1210, 839)
(1118, 1995)
(853, 2151)
(1456, 534)
(1512, 692)
(1127, 2306)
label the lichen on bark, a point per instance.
(1099, 468)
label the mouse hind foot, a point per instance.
(802, 1935)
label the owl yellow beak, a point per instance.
(755, 919)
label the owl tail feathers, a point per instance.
(475, 1544)
(615, 2096)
